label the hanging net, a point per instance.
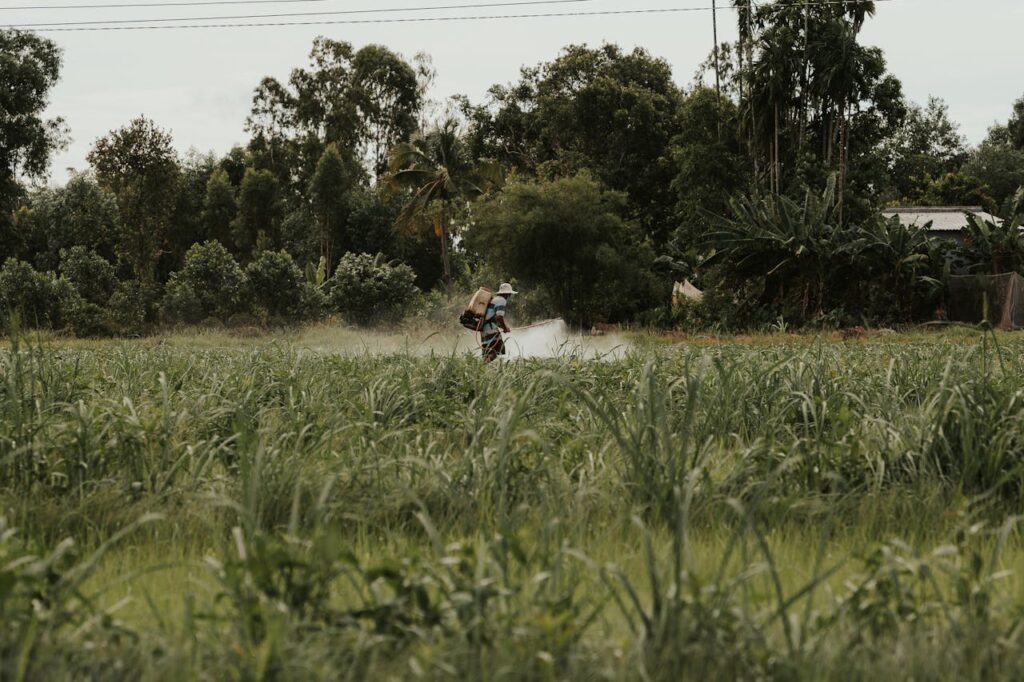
(1001, 295)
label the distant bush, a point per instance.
(133, 305)
(90, 273)
(86, 319)
(181, 303)
(276, 283)
(313, 302)
(33, 295)
(368, 289)
(209, 284)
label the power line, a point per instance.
(26, 8)
(413, 20)
(518, 3)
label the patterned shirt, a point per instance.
(495, 313)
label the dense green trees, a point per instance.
(619, 180)
(784, 259)
(138, 165)
(260, 209)
(569, 236)
(604, 110)
(220, 207)
(438, 171)
(330, 198)
(29, 69)
(80, 213)
(364, 101)
(926, 147)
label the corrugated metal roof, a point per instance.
(942, 218)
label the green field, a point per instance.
(322, 506)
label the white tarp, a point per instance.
(684, 291)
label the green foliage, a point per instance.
(276, 284)
(367, 288)
(927, 146)
(80, 213)
(257, 225)
(210, 284)
(678, 513)
(91, 274)
(958, 189)
(189, 225)
(994, 248)
(895, 261)
(220, 207)
(139, 166)
(29, 71)
(999, 167)
(793, 249)
(797, 263)
(710, 162)
(329, 194)
(42, 607)
(134, 305)
(604, 110)
(817, 101)
(365, 101)
(1015, 126)
(437, 171)
(569, 237)
(34, 296)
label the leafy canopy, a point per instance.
(568, 237)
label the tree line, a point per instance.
(594, 181)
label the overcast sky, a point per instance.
(199, 83)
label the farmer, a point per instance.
(494, 324)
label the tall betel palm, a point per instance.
(438, 172)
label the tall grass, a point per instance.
(677, 513)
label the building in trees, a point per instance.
(945, 222)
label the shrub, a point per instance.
(209, 284)
(313, 302)
(86, 319)
(276, 284)
(133, 305)
(33, 294)
(181, 303)
(91, 274)
(368, 289)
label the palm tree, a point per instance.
(839, 73)
(839, 65)
(745, 21)
(438, 172)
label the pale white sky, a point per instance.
(199, 83)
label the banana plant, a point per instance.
(785, 243)
(994, 247)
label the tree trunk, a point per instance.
(804, 82)
(842, 159)
(445, 256)
(778, 159)
(718, 77)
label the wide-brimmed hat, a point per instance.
(506, 289)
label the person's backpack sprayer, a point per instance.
(473, 318)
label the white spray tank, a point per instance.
(473, 318)
(481, 299)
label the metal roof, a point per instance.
(942, 218)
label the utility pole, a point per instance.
(718, 77)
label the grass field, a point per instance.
(319, 505)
